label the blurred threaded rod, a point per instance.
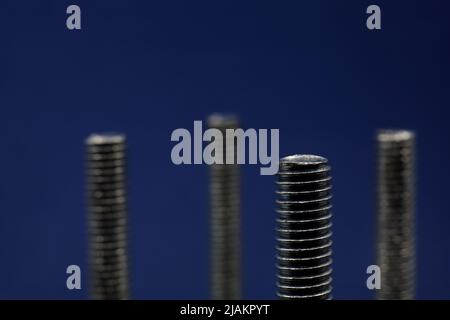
(107, 216)
(396, 192)
(225, 217)
(304, 228)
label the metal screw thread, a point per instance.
(225, 217)
(106, 166)
(304, 228)
(396, 192)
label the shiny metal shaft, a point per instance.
(225, 217)
(396, 195)
(304, 228)
(107, 207)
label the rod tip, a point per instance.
(391, 135)
(223, 120)
(105, 138)
(303, 159)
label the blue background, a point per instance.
(145, 68)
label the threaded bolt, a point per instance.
(225, 217)
(396, 192)
(106, 179)
(304, 228)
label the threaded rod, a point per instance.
(225, 217)
(396, 193)
(106, 180)
(304, 228)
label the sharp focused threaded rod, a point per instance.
(106, 179)
(304, 228)
(225, 217)
(396, 192)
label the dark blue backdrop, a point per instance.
(310, 68)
